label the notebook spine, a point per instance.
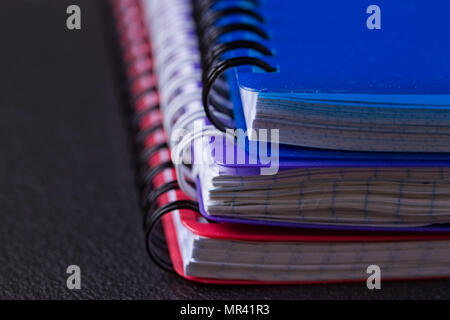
(160, 192)
(213, 30)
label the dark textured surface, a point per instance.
(67, 193)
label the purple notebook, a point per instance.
(432, 181)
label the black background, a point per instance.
(67, 191)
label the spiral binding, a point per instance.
(178, 68)
(189, 65)
(148, 125)
(207, 14)
(189, 69)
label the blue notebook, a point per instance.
(335, 75)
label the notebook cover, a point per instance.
(331, 50)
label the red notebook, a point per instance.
(225, 253)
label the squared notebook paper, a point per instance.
(165, 60)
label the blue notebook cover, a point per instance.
(325, 47)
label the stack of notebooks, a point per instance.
(288, 142)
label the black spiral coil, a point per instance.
(136, 51)
(215, 89)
